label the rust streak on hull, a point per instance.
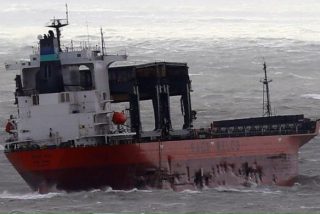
(169, 164)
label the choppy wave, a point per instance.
(247, 190)
(189, 191)
(278, 73)
(300, 76)
(108, 190)
(28, 196)
(196, 74)
(312, 208)
(305, 180)
(312, 96)
(313, 160)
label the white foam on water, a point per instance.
(312, 96)
(126, 191)
(296, 184)
(27, 196)
(1, 147)
(189, 191)
(301, 77)
(196, 74)
(245, 190)
(313, 160)
(95, 190)
(278, 73)
(173, 204)
(168, 204)
(304, 207)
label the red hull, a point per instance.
(171, 164)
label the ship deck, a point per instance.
(249, 127)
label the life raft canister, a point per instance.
(9, 127)
(119, 118)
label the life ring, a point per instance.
(10, 127)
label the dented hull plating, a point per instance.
(177, 165)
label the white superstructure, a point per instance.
(80, 108)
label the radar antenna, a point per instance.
(59, 23)
(266, 93)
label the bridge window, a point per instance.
(64, 97)
(85, 77)
(35, 99)
(77, 78)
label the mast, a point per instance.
(88, 36)
(67, 14)
(266, 106)
(102, 42)
(59, 23)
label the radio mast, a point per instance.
(266, 93)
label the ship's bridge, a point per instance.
(76, 72)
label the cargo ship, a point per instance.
(68, 133)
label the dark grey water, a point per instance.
(225, 76)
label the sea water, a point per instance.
(225, 47)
